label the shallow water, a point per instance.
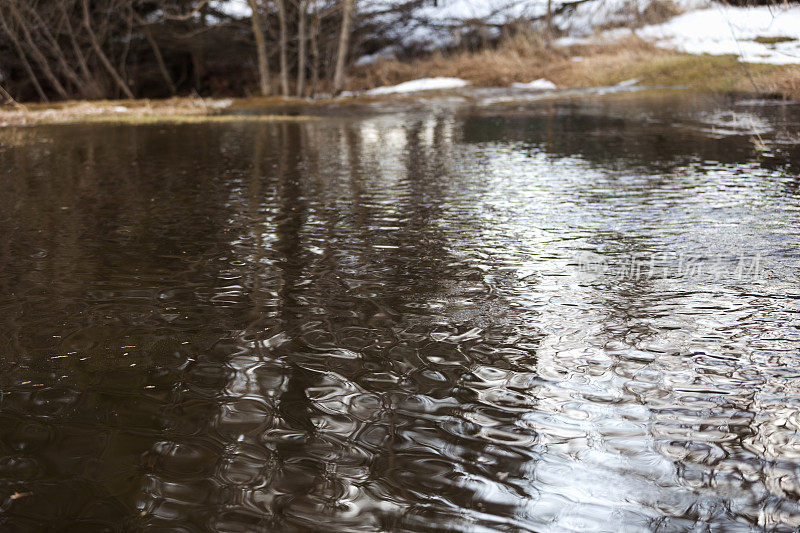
(574, 316)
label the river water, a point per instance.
(557, 316)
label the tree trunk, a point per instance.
(123, 61)
(315, 52)
(261, 49)
(199, 53)
(344, 44)
(23, 58)
(283, 44)
(87, 22)
(162, 67)
(301, 49)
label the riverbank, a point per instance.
(523, 59)
(186, 110)
(630, 62)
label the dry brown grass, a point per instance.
(785, 82)
(521, 59)
(773, 40)
(173, 110)
(607, 64)
(524, 58)
(514, 60)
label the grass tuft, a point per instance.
(773, 40)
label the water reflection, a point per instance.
(379, 322)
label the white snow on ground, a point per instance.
(488, 11)
(424, 84)
(219, 104)
(443, 24)
(537, 85)
(233, 8)
(386, 53)
(433, 26)
(721, 30)
(732, 30)
(588, 16)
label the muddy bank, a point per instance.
(133, 112)
(624, 84)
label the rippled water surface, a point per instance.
(576, 316)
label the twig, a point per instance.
(9, 99)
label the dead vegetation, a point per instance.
(773, 40)
(785, 81)
(526, 57)
(174, 110)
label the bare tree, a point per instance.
(101, 55)
(283, 44)
(257, 23)
(22, 57)
(549, 19)
(344, 44)
(314, 38)
(91, 86)
(55, 48)
(86, 48)
(36, 52)
(162, 67)
(301, 47)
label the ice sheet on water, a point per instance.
(537, 85)
(423, 84)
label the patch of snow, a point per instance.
(424, 84)
(724, 30)
(589, 16)
(370, 59)
(628, 83)
(572, 40)
(119, 109)
(488, 11)
(442, 24)
(220, 104)
(537, 85)
(233, 8)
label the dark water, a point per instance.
(565, 317)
